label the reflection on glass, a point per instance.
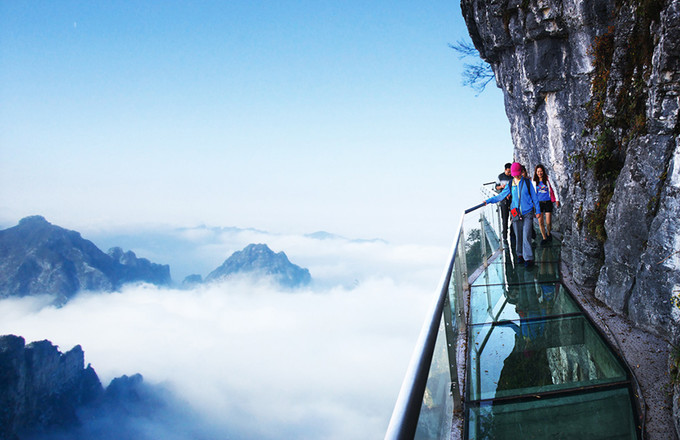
(512, 302)
(536, 354)
(595, 415)
(473, 249)
(507, 270)
(482, 236)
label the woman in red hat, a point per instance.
(523, 207)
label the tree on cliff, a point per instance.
(476, 75)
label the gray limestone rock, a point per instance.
(592, 91)
(629, 217)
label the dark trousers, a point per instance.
(505, 214)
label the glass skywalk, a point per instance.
(537, 368)
(534, 366)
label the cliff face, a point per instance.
(592, 91)
(46, 394)
(41, 387)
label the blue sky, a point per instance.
(291, 116)
(118, 118)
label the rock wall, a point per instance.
(41, 387)
(592, 91)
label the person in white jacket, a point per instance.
(547, 199)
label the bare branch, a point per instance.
(476, 75)
(464, 49)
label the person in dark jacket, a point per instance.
(523, 207)
(504, 179)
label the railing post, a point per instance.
(485, 261)
(451, 341)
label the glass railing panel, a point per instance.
(473, 244)
(536, 355)
(482, 236)
(488, 221)
(456, 287)
(513, 302)
(436, 411)
(594, 415)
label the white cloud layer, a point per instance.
(254, 361)
(331, 261)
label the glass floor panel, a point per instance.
(513, 302)
(537, 240)
(541, 254)
(537, 368)
(501, 261)
(537, 355)
(551, 249)
(507, 273)
(599, 415)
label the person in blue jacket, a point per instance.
(523, 207)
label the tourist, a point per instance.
(547, 196)
(503, 179)
(523, 207)
(525, 174)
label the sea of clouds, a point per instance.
(245, 359)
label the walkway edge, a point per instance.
(645, 354)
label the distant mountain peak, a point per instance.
(323, 235)
(33, 220)
(259, 259)
(37, 257)
(257, 248)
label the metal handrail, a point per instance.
(404, 420)
(469, 210)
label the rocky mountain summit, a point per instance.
(37, 257)
(43, 391)
(592, 90)
(41, 387)
(259, 260)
